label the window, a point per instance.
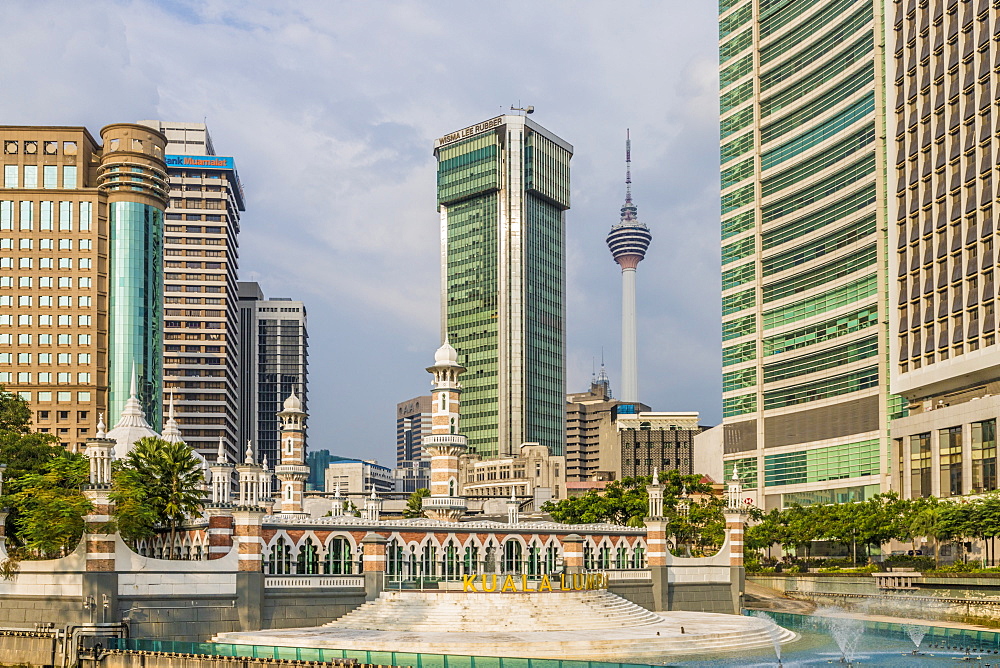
(45, 301)
(24, 339)
(27, 217)
(45, 377)
(86, 213)
(6, 358)
(65, 320)
(45, 339)
(63, 396)
(50, 176)
(85, 263)
(30, 175)
(24, 300)
(45, 358)
(81, 358)
(83, 397)
(65, 358)
(24, 377)
(65, 301)
(64, 378)
(24, 321)
(85, 244)
(45, 320)
(69, 177)
(66, 244)
(83, 320)
(65, 282)
(65, 263)
(83, 377)
(984, 456)
(64, 339)
(45, 282)
(83, 339)
(46, 216)
(25, 263)
(83, 301)
(10, 176)
(65, 217)
(84, 281)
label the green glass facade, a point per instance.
(135, 307)
(502, 194)
(802, 173)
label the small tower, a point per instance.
(249, 473)
(373, 507)
(444, 444)
(171, 431)
(655, 492)
(292, 471)
(222, 475)
(513, 508)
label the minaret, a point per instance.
(444, 444)
(628, 241)
(292, 471)
(171, 431)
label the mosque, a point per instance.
(256, 568)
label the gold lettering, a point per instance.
(562, 583)
(508, 584)
(545, 584)
(493, 586)
(578, 581)
(469, 583)
(524, 583)
(589, 581)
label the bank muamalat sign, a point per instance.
(471, 130)
(491, 582)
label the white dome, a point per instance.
(446, 354)
(293, 403)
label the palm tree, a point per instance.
(166, 479)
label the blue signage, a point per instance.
(201, 161)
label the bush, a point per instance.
(906, 561)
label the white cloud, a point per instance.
(331, 109)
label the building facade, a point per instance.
(503, 190)
(805, 384)
(590, 431)
(356, 477)
(654, 441)
(81, 235)
(534, 475)
(413, 422)
(275, 339)
(942, 264)
(201, 318)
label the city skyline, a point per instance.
(346, 221)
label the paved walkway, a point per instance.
(759, 597)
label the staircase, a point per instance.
(457, 611)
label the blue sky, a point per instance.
(331, 109)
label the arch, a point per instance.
(279, 556)
(339, 557)
(451, 559)
(513, 555)
(535, 560)
(307, 557)
(589, 554)
(638, 559)
(394, 560)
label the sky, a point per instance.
(331, 109)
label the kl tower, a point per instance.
(628, 241)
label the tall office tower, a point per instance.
(590, 424)
(81, 226)
(275, 343)
(201, 345)
(805, 403)
(628, 241)
(413, 422)
(503, 190)
(942, 265)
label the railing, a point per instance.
(369, 657)
(639, 574)
(313, 581)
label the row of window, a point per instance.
(46, 217)
(46, 301)
(45, 339)
(13, 177)
(45, 358)
(27, 243)
(26, 320)
(46, 263)
(30, 147)
(63, 282)
(45, 377)
(46, 397)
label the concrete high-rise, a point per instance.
(275, 342)
(201, 319)
(942, 233)
(805, 383)
(81, 234)
(503, 189)
(628, 241)
(413, 422)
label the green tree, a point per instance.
(22, 452)
(414, 504)
(161, 484)
(50, 507)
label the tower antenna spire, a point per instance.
(628, 166)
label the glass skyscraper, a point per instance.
(503, 189)
(805, 368)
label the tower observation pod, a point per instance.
(628, 241)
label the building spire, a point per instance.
(629, 210)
